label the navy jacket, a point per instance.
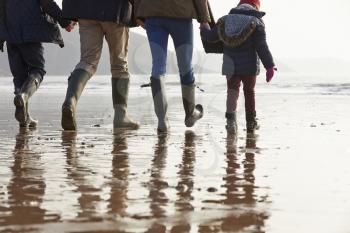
(119, 11)
(23, 21)
(241, 57)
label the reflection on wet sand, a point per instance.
(56, 182)
(78, 175)
(157, 184)
(120, 175)
(186, 183)
(236, 210)
(27, 186)
(184, 187)
(240, 187)
(240, 191)
(158, 199)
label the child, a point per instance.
(25, 25)
(243, 34)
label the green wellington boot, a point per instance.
(231, 126)
(76, 85)
(21, 99)
(193, 112)
(120, 93)
(160, 103)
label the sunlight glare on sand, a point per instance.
(288, 177)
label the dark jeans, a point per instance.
(25, 59)
(233, 85)
(181, 31)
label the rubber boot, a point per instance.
(21, 99)
(31, 122)
(76, 85)
(231, 126)
(120, 92)
(160, 103)
(17, 91)
(252, 123)
(193, 112)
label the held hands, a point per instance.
(205, 26)
(71, 26)
(270, 72)
(140, 23)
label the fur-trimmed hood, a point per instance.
(235, 28)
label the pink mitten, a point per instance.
(270, 73)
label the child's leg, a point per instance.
(233, 85)
(249, 93)
(18, 67)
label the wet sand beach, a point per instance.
(290, 176)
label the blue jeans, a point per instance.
(181, 31)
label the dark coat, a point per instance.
(23, 21)
(178, 9)
(241, 55)
(118, 11)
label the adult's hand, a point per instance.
(270, 72)
(140, 23)
(205, 26)
(71, 26)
